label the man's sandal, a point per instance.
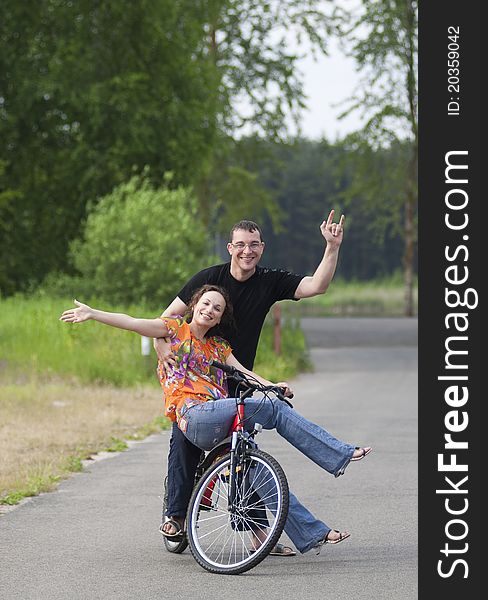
(178, 530)
(364, 452)
(282, 550)
(278, 550)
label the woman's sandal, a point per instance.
(325, 540)
(178, 529)
(343, 535)
(364, 452)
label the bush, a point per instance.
(62, 285)
(141, 244)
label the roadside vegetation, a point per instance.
(50, 425)
(383, 297)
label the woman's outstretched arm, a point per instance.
(83, 312)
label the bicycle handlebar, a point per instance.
(223, 367)
(240, 376)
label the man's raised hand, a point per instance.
(333, 232)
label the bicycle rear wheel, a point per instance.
(222, 538)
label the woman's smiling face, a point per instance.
(209, 309)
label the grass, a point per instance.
(293, 358)
(50, 425)
(379, 298)
(34, 340)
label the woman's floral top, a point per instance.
(192, 377)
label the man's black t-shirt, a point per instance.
(251, 300)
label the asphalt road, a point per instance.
(97, 538)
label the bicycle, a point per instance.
(239, 503)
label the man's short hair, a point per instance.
(250, 226)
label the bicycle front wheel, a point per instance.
(230, 533)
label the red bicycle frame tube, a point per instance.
(237, 424)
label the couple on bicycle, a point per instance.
(196, 394)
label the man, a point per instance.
(253, 290)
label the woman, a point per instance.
(196, 393)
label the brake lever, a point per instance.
(283, 398)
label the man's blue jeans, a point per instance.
(183, 459)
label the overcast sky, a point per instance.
(327, 81)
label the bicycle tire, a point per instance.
(174, 546)
(221, 541)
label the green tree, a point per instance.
(236, 189)
(304, 180)
(381, 35)
(140, 244)
(255, 46)
(89, 93)
(92, 92)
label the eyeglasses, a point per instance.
(252, 246)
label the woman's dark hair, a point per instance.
(228, 314)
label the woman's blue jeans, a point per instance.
(208, 423)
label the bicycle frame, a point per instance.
(239, 443)
(237, 450)
(239, 504)
(245, 509)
